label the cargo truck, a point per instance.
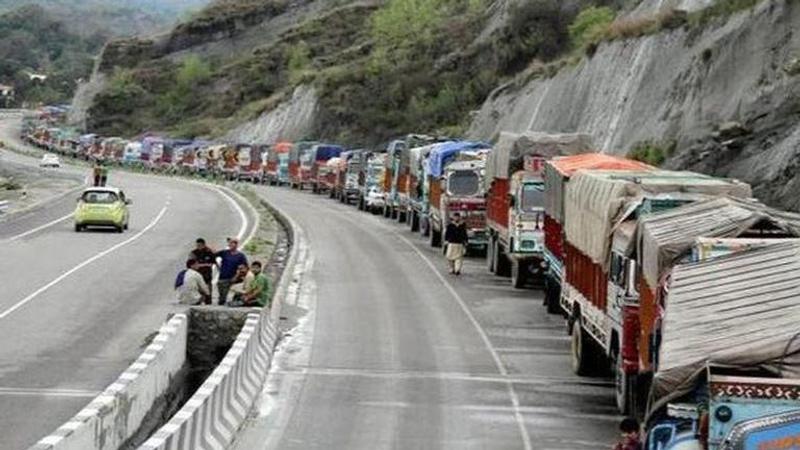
(695, 232)
(397, 174)
(598, 296)
(347, 172)
(371, 181)
(455, 172)
(515, 201)
(728, 375)
(300, 164)
(557, 173)
(249, 162)
(277, 165)
(417, 188)
(320, 155)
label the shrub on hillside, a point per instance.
(590, 25)
(536, 29)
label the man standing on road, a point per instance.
(231, 259)
(455, 237)
(205, 262)
(192, 290)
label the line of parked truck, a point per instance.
(680, 285)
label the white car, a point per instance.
(50, 160)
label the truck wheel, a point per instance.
(579, 346)
(502, 266)
(519, 273)
(436, 238)
(552, 295)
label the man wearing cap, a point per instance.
(230, 260)
(205, 262)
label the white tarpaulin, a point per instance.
(595, 199)
(741, 310)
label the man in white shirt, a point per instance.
(194, 289)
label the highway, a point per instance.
(395, 353)
(76, 308)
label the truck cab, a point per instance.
(463, 193)
(526, 214)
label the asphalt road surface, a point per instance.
(395, 353)
(76, 308)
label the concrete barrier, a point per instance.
(215, 413)
(115, 415)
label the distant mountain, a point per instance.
(113, 17)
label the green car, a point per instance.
(102, 207)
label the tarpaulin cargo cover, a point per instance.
(595, 199)
(738, 311)
(326, 152)
(667, 235)
(507, 156)
(560, 169)
(441, 154)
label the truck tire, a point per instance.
(436, 238)
(490, 261)
(552, 295)
(579, 348)
(414, 222)
(502, 266)
(519, 273)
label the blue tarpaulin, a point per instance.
(326, 152)
(442, 153)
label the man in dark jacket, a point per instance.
(456, 240)
(231, 259)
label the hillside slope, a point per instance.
(359, 71)
(721, 98)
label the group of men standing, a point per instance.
(238, 284)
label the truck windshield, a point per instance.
(532, 197)
(463, 183)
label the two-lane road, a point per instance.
(395, 353)
(75, 308)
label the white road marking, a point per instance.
(37, 392)
(94, 258)
(40, 228)
(526, 439)
(242, 215)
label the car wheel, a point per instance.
(78, 228)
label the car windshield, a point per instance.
(532, 197)
(463, 182)
(99, 197)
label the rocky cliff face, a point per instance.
(722, 99)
